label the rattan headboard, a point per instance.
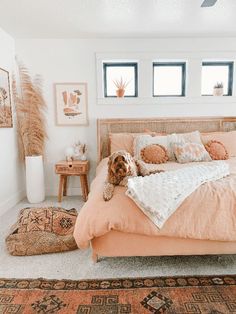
(165, 125)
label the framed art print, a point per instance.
(5, 100)
(71, 103)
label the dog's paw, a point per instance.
(156, 171)
(106, 197)
(108, 191)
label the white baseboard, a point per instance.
(53, 191)
(11, 201)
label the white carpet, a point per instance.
(78, 264)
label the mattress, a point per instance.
(209, 213)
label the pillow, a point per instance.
(125, 141)
(122, 141)
(228, 139)
(167, 141)
(154, 154)
(145, 140)
(217, 150)
(191, 137)
(42, 230)
(153, 133)
(189, 152)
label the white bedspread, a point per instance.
(159, 195)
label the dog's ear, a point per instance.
(134, 168)
(109, 162)
(110, 174)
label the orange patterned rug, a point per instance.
(211, 295)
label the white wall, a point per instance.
(59, 60)
(11, 176)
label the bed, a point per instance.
(119, 228)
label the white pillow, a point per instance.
(165, 140)
(144, 140)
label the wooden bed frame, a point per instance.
(104, 246)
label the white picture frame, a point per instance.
(5, 100)
(71, 100)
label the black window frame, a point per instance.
(230, 65)
(120, 64)
(174, 64)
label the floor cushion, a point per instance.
(42, 230)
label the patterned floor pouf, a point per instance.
(42, 230)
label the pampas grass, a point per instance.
(5, 116)
(30, 107)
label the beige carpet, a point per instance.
(78, 264)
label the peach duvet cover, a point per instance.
(209, 213)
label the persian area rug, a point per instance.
(211, 295)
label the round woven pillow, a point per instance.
(154, 154)
(217, 150)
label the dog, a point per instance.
(121, 166)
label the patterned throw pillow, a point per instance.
(189, 152)
(42, 230)
(165, 140)
(192, 137)
(217, 150)
(154, 154)
(145, 140)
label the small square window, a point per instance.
(169, 79)
(115, 72)
(217, 72)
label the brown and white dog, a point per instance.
(121, 166)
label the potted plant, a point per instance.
(218, 89)
(121, 86)
(30, 107)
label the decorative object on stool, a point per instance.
(69, 153)
(80, 151)
(83, 150)
(218, 89)
(183, 294)
(30, 107)
(42, 230)
(121, 86)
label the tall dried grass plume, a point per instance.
(30, 110)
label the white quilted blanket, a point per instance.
(159, 195)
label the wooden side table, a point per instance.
(74, 168)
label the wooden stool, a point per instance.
(72, 168)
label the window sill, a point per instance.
(166, 100)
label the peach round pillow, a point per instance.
(217, 150)
(154, 154)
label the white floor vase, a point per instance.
(35, 186)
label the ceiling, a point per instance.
(116, 18)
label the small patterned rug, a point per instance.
(211, 295)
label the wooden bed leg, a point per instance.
(95, 257)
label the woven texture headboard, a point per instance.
(163, 125)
